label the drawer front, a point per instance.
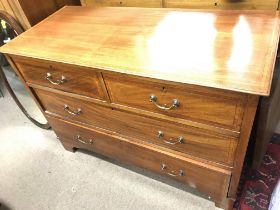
(61, 76)
(124, 3)
(194, 4)
(184, 170)
(204, 105)
(248, 4)
(185, 139)
(223, 4)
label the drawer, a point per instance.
(61, 76)
(223, 4)
(194, 4)
(125, 3)
(181, 169)
(185, 139)
(248, 4)
(205, 105)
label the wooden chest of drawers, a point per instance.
(145, 86)
(190, 4)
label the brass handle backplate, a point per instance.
(180, 139)
(79, 139)
(77, 112)
(175, 103)
(171, 173)
(58, 82)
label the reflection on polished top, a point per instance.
(233, 50)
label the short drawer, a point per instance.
(61, 76)
(205, 105)
(124, 3)
(179, 168)
(248, 4)
(185, 139)
(190, 4)
(223, 4)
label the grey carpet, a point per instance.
(37, 173)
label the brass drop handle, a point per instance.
(79, 139)
(180, 139)
(75, 113)
(171, 173)
(175, 103)
(58, 82)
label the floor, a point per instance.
(260, 183)
(37, 173)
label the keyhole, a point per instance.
(216, 4)
(120, 3)
(163, 89)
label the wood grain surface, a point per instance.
(186, 46)
(201, 143)
(29, 13)
(248, 4)
(216, 63)
(209, 106)
(123, 3)
(222, 4)
(140, 112)
(83, 81)
(246, 128)
(190, 4)
(145, 157)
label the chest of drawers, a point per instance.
(190, 4)
(156, 88)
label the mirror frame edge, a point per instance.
(18, 29)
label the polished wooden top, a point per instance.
(232, 50)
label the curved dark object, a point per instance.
(18, 29)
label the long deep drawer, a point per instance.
(209, 106)
(181, 169)
(186, 139)
(64, 77)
